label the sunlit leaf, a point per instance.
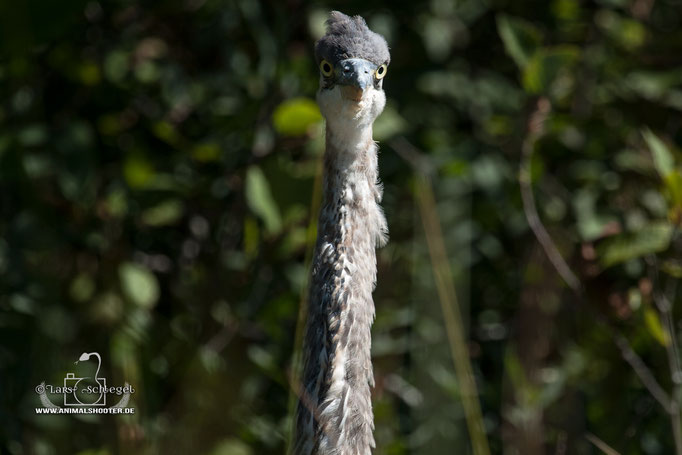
(166, 132)
(139, 284)
(166, 213)
(653, 324)
(653, 85)
(206, 152)
(628, 33)
(261, 357)
(566, 9)
(545, 65)
(634, 298)
(251, 237)
(231, 447)
(260, 200)
(663, 159)
(137, 171)
(672, 268)
(520, 38)
(294, 117)
(653, 238)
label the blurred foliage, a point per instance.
(157, 171)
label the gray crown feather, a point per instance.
(349, 37)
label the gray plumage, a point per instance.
(334, 415)
(349, 37)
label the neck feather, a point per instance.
(337, 363)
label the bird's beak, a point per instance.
(354, 75)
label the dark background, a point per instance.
(159, 174)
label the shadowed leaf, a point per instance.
(164, 214)
(653, 238)
(663, 159)
(545, 65)
(520, 38)
(260, 200)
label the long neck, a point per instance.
(335, 413)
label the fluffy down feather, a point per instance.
(349, 37)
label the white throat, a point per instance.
(349, 123)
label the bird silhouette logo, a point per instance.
(83, 391)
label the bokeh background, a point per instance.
(159, 175)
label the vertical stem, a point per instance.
(664, 306)
(663, 301)
(668, 402)
(452, 315)
(296, 391)
(677, 432)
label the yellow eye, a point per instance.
(381, 71)
(326, 68)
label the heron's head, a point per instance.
(353, 61)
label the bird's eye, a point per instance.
(381, 71)
(326, 68)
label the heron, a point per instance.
(334, 412)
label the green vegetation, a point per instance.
(159, 176)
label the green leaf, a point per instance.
(94, 452)
(139, 284)
(166, 213)
(652, 238)
(89, 73)
(663, 159)
(137, 170)
(295, 116)
(672, 268)
(231, 447)
(520, 38)
(545, 65)
(167, 133)
(82, 287)
(251, 237)
(628, 33)
(116, 65)
(32, 135)
(653, 323)
(389, 124)
(260, 200)
(206, 152)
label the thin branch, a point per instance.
(536, 127)
(561, 443)
(601, 445)
(535, 131)
(447, 293)
(452, 315)
(663, 302)
(296, 367)
(643, 372)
